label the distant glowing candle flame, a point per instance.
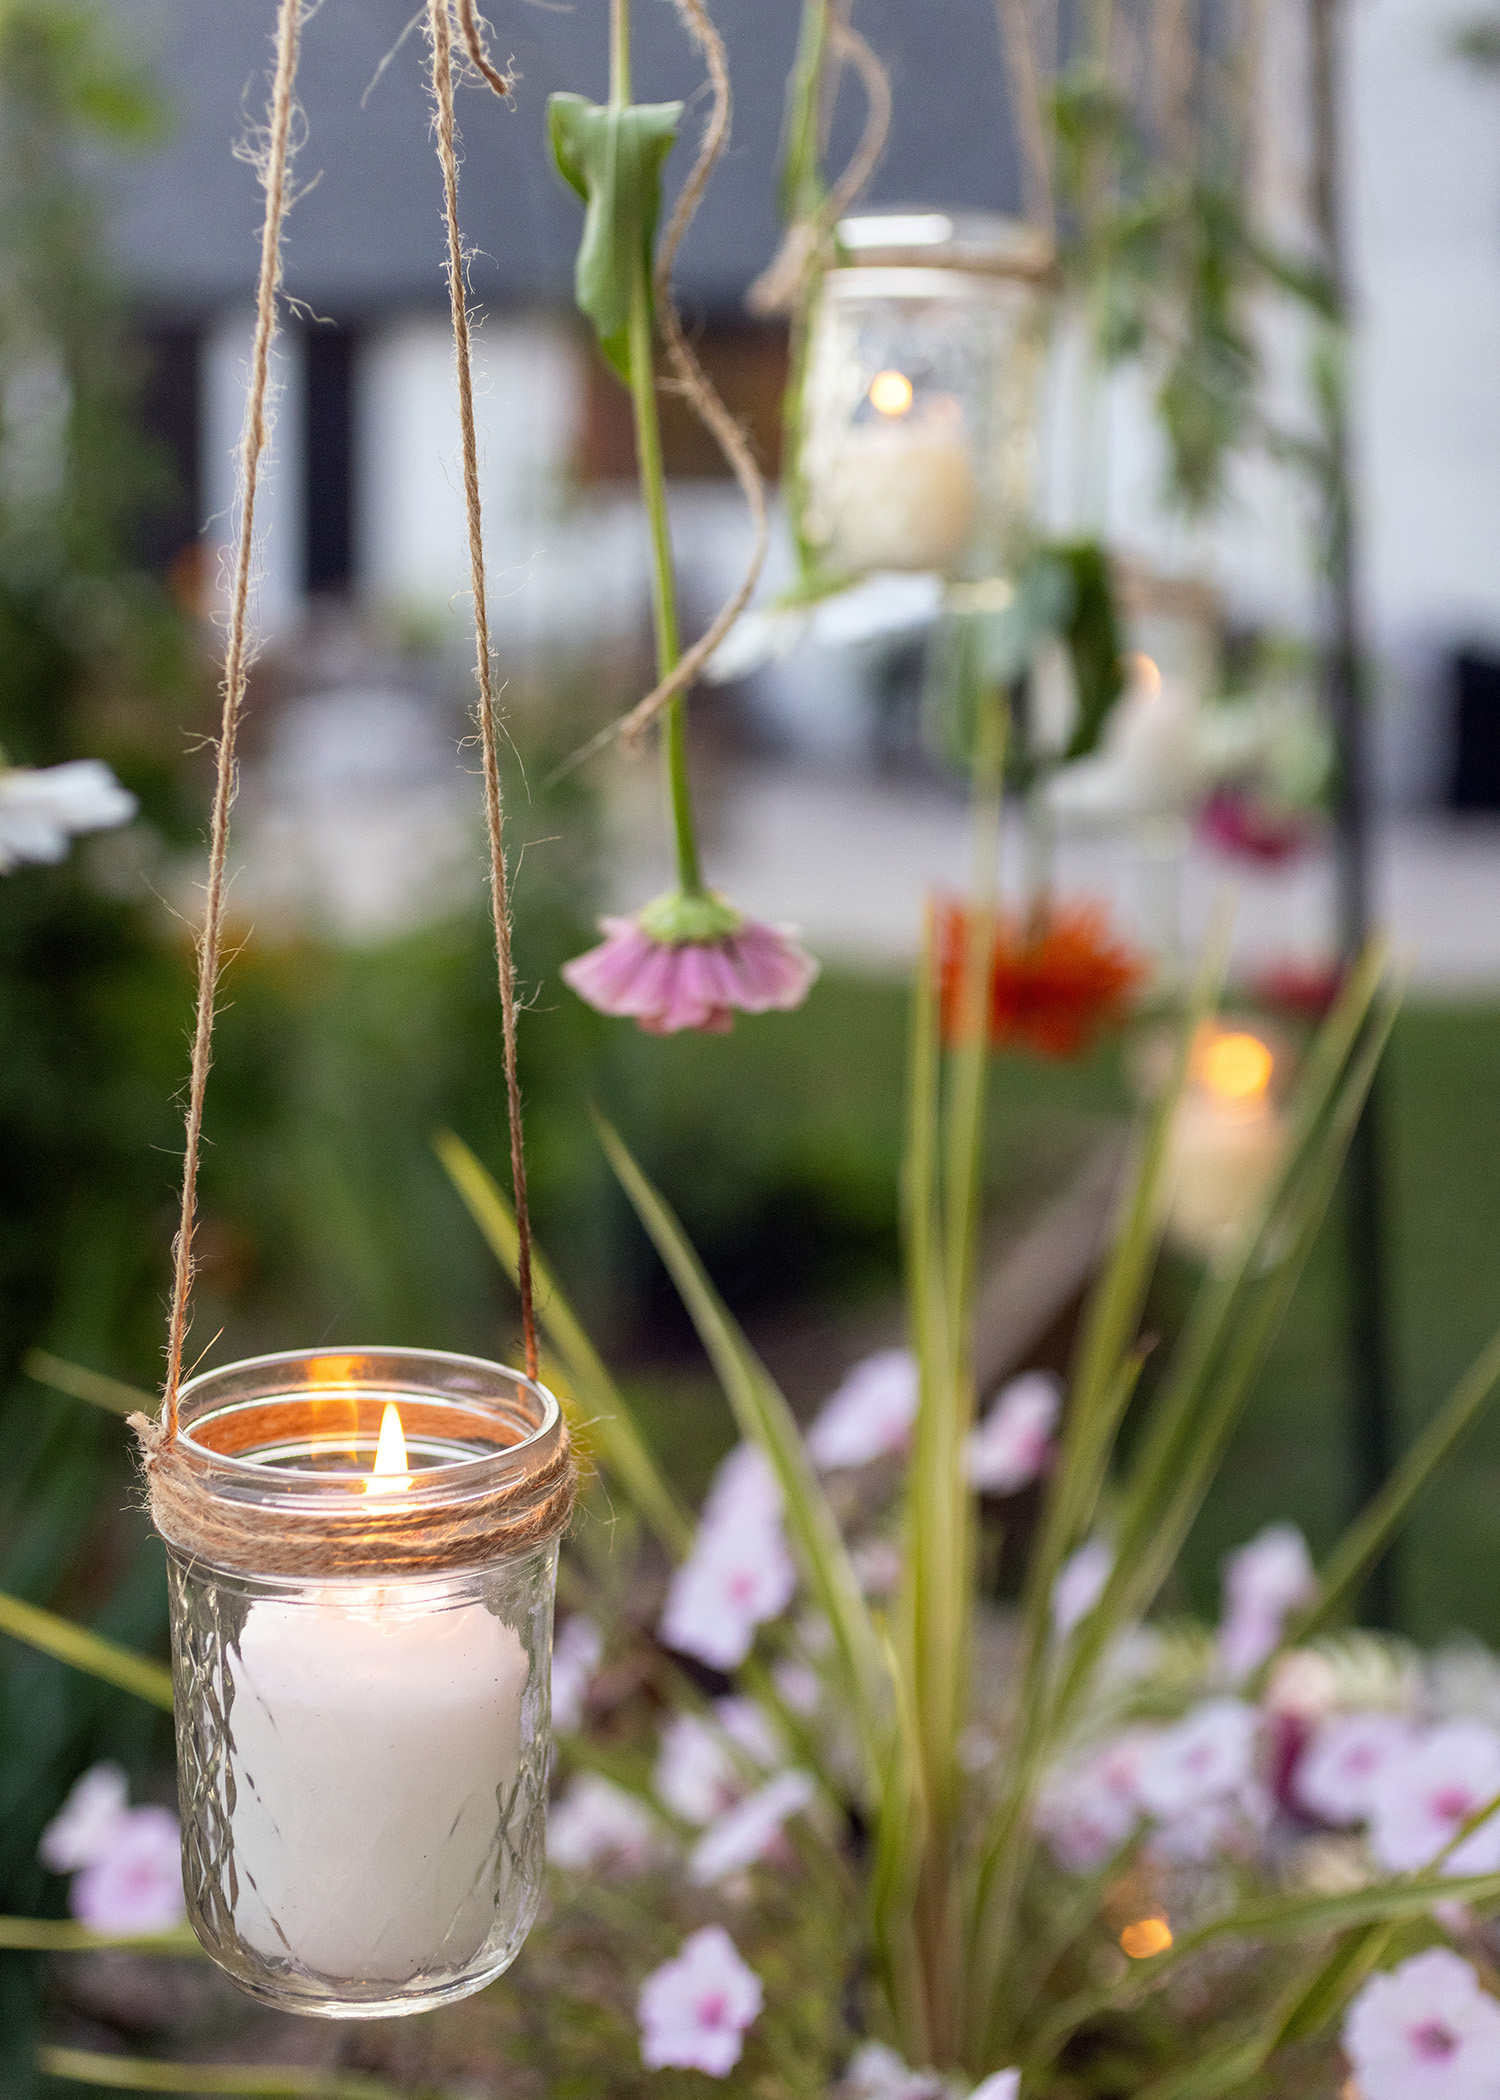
(1147, 1936)
(389, 1476)
(1145, 674)
(891, 393)
(1237, 1067)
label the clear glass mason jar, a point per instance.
(362, 1754)
(921, 394)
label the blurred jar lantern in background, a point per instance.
(920, 404)
(1227, 1141)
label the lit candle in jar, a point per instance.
(1227, 1143)
(375, 1745)
(362, 1551)
(896, 490)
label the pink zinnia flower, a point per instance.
(1013, 1443)
(694, 2010)
(1425, 2031)
(690, 962)
(870, 1415)
(1422, 1795)
(134, 1882)
(1336, 1775)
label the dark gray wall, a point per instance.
(368, 233)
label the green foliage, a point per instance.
(612, 157)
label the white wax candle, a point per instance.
(1224, 1154)
(896, 495)
(375, 1747)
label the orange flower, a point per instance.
(1053, 987)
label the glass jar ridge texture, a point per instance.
(363, 1756)
(921, 397)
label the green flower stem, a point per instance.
(654, 495)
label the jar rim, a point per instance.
(492, 1396)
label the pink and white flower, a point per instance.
(744, 1491)
(1421, 1796)
(1263, 1582)
(739, 1573)
(576, 1654)
(41, 808)
(1205, 1761)
(869, 1416)
(697, 1773)
(733, 1583)
(1000, 2085)
(1013, 1443)
(694, 2010)
(746, 1832)
(1081, 1582)
(691, 962)
(133, 1883)
(80, 1831)
(1336, 1776)
(1088, 1811)
(1425, 2031)
(876, 2072)
(597, 1824)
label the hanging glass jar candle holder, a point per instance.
(921, 394)
(362, 1550)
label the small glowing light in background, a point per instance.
(891, 393)
(1236, 1067)
(1144, 673)
(390, 1476)
(1145, 1937)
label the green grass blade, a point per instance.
(66, 1936)
(1272, 1918)
(135, 2074)
(86, 1651)
(765, 1419)
(83, 1384)
(1231, 2068)
(605, 1418)
(1368, 1536)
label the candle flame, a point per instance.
(1145, 673)
(1147, 1936)
(390, 1476)
(891, 393)
(1237, 1067)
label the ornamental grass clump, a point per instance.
(1069, 1842)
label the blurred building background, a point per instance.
(362, 516)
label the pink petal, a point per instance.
(770, 969)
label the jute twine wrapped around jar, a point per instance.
(201, 1506)
(193, 1502)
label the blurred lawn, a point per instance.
(1441, 1110)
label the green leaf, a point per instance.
(1092, 633)
(111, 1394)
(86, 1651)
(765, 1419)
(1377, 1524)
(612, 156)
(136, 2074)
(604, 1418)
(66, 1936)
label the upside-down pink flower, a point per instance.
(694, 2009)
(691, 962)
